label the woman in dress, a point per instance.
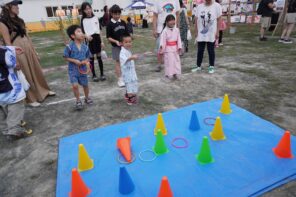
(14, 33)
(184, 25)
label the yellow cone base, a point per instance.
(216, 138)
(91, 166)
(225, 111)
(163, 132)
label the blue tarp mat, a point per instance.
(244, 163)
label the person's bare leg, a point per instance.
(75, 89)
(117, 69)
(262, 31)
(284, 31)
(289, 30)
(86, 92)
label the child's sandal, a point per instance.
(23, 123)
(25, 134)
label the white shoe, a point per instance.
(120, 83)
(196, 68)
(34, 104)
(51, 93)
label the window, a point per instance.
(51, 11)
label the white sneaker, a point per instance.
(120, 83)
(34, 104)
(211, 69)
(197, 68)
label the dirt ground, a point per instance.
(258, 76)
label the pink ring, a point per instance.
(180, 138)
(209, 118)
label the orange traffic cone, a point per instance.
(165, 189)
(79, 189)
(124, 146)
(283, 149)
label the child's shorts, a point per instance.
(115, 53)
(77, 78)
(132, 87)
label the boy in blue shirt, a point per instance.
(77, 54)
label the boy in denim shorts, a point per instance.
(77, 54)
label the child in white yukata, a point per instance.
(170, 46)
(128, 70)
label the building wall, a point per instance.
(34, 11)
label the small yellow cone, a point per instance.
(160, 125)
(217, 133)
(84, 161)
(225, 107)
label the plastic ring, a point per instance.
(182, 139)
(209, 118)
(147, 160)
(125, 162)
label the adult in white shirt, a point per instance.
(208, 18)
(161, 9)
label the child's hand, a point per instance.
(19, 50)
(160, 51)
(180, 51)
(118, 43)
(78, 63)
(18, 66)
(89, 38)
(136, 57)
(84, 62)
(217, 35)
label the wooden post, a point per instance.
(281, 18)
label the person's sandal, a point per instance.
(88, 101)
(25, 134)
(23, 123)
(78, 105)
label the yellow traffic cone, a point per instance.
(217, 133)
(84, 161)
(160, 125)
(225, 107)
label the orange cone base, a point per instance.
(88, 192)
(290, 157)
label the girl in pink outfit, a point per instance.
(170, 47)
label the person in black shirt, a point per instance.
(115, 29)
(129, 26)
(266, 9)
(290, 21)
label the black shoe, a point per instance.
(186, 49)
(95, 79)
(102, 78)
(263, 39)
